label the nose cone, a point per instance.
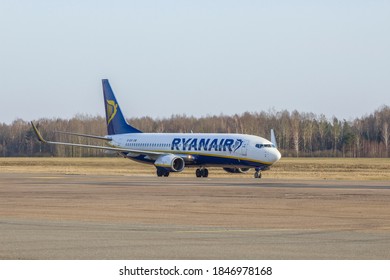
(275, 155)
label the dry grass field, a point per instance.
(287, 168)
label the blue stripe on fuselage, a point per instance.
(211, 160)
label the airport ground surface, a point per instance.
(76, 214)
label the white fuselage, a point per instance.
(202, 149)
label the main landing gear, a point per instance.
(162, 172)
(202, 172)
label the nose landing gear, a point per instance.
(258, 173)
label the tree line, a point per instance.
(298, 134)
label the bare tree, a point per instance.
(295, 127)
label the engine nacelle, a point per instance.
(236, 170)
(170, 162)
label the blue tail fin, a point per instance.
(116, 123)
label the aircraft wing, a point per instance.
(106, 138)
(114, 149)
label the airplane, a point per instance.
(172, 152)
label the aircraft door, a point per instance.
(243, 150)
(241, 147)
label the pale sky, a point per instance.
(193, 57)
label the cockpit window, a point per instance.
(259, 146)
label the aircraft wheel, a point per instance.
(258, 174)
(166, 174)
(160, 172)
(202, 172)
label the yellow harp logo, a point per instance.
(111, 110)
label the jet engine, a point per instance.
(236, 170)
(170, 162)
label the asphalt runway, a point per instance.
(50, 216)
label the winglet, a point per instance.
(273, 138)
(40, 138)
